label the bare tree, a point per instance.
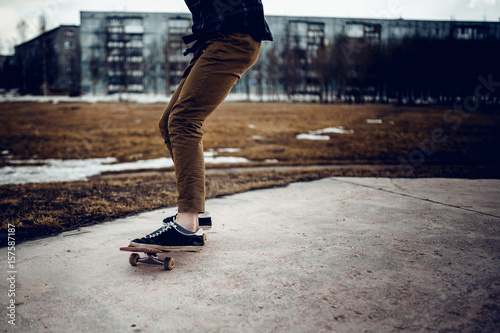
(321, 66)
(94, 67)
(166, 54)
(273, 71)
(257, 80)
(346, 56)
(42, 29)
(293, 71)
(12, 45)
(151, 66)
(21, 29)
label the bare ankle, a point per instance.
(188, 221)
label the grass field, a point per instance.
(464, 145)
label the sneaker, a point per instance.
(204, 220)
(171, 237)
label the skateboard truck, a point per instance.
(152, 258)
(152, 255)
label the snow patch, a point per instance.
(317, 135)
(374, 121)
(228, 150)
(333, 130)
(313, 137)
(53, 170)
(139, 98)
(148, 98)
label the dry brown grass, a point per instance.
(74, 131)
(129, 132)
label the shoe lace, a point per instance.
(170, 219)
(161, 230)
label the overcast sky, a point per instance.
(68, 11)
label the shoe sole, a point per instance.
(167, 248)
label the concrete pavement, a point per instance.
(338, 254)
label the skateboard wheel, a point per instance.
(168, 263)
(204, 239)
(134, 259)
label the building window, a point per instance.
(115, 29)
(133, 26)
(470, 32)
(133, 21)
(69, 45)
(116, 87)
(135, 43)
(116, 58)
(363, 30)
(112, 72)
(93, 24)
(135, 88)
(136, 73)
(134, 59)
(114, 22)
(113, 44)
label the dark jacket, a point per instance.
(226, 16)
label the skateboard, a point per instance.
(152, 255)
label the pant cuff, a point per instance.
(191, 206)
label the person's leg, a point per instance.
(188, 220)
(215, 69)
(163, 123)
(219, 65)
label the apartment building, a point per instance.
(126, 52)
(139, 52)
(49, 63)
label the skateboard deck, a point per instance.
(152, 255)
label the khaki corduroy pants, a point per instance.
(215, 68)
